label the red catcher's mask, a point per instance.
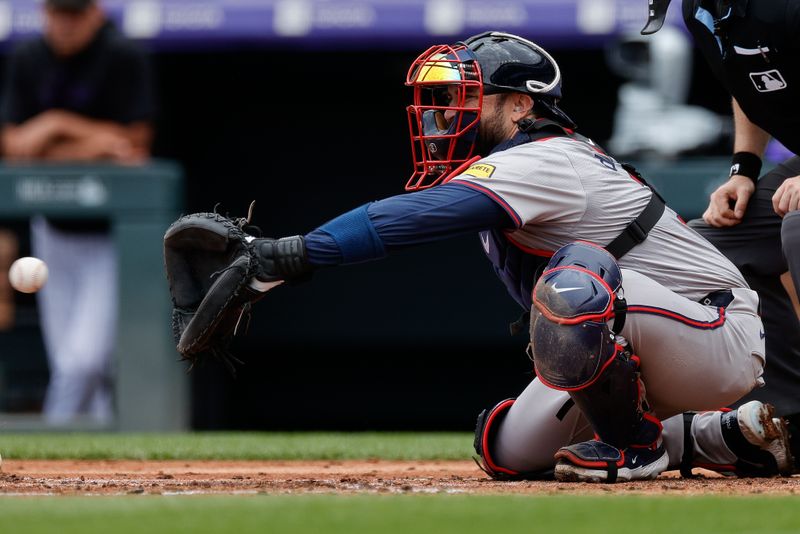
(441, 77)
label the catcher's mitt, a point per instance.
(209, 261)
(216, 271)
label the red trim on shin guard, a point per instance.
(653, 419)
(490, 465)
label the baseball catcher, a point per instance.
(634, 318)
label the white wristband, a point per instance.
(263, 287)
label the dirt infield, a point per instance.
(34, 477)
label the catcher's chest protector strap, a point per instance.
(637, 230)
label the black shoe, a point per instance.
(595, 461)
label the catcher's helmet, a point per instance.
(512, 64)
(484, 64)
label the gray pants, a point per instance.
(693, 358)
(764, 246)
(78, 311)
(541, 421)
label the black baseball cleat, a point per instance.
(596, 461)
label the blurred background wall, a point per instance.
(300, 105)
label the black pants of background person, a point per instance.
(764, 246)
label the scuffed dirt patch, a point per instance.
(102, 477)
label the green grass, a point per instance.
(239, 446)
(372, 513)
(406, 514)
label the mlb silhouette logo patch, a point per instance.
(770, 80)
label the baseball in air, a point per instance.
(27, 274)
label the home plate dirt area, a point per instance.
(117, 477)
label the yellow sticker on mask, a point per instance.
(480, 170)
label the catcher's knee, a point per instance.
(574, 301)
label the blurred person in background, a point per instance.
(81, 92)
(753, 48)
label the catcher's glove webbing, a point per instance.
(212, 267)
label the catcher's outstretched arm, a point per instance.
(216, 271)
(370, 231)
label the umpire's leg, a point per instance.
(755, 247)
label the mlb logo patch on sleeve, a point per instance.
(480, 170)
(767, 81)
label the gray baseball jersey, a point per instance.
(561, 190)
(694, 356)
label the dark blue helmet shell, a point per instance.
(510, 63)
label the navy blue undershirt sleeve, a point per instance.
(371, 231)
